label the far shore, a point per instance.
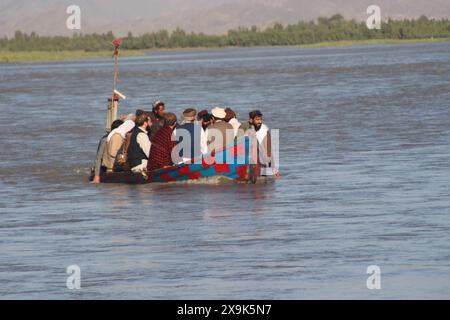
(370, 42)
(9, 57)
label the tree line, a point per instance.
(334, 28)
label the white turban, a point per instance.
(126, 127)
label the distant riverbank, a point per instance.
(10, 57)
(44, 56)
(370, 42)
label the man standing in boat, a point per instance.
(232, 119)
(157, 118)
(114, 142)
(260, 133)
(139, 149)
(163, 144)
(98, 168)
(191, 138)
(220, 134)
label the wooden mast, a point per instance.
(113, 101)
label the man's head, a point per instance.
(116, 124)
(201, 114)
(143, 121)
(256, 119)
(218, 113)
(170, 120)
(206, 120)
(159, 109)
(230, 114)
(189, 115)
(139, 112)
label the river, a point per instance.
(365, 179)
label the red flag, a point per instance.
(117, 43)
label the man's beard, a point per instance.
(257, 126)
(158, 116)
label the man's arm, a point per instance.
(99, 160)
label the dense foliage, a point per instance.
(334, 28)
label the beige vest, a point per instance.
(110, 153)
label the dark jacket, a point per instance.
(135, 152)
(192, 148)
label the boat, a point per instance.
(232, 164)
(237, 162)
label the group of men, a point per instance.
(148, 141)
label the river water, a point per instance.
(365, 164)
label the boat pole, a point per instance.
(113, 101)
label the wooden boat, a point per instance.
(234, 163)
